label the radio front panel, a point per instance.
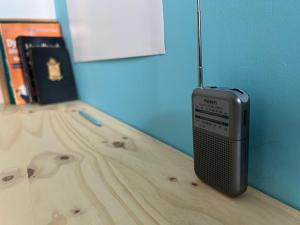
(212, 114)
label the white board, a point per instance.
(110, 29)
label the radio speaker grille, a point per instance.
(213, 160)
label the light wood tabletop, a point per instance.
(57, 168)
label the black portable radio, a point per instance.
(220, 133)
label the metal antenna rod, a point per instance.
(200, 68)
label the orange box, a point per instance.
(9, 33)
(4, 96)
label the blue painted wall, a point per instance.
(254, 45)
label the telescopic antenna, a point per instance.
(200, 67)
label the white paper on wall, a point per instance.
(29, 9)
(110, 29)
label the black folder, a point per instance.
(53, 75)
(24, 44)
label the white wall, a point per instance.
(34, 9)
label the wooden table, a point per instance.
(56, 168)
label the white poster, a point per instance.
(110, 29)
(29, 9)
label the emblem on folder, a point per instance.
(54, 72)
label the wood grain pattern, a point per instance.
(56, 168)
